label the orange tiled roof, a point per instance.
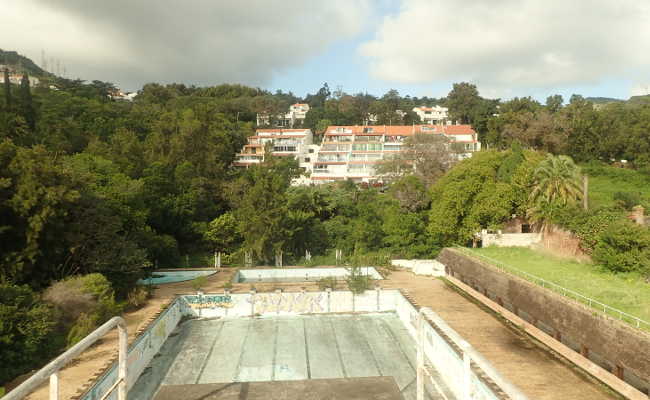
(401, 130)
(459, 130)
(280, 130)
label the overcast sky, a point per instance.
(420, 47)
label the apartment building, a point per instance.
(295, 116)
(353, 152)
(431, 115)
(297, 143)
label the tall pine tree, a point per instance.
(7, 91)
(26, 105)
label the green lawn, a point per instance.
(605, 180)
(628, 292)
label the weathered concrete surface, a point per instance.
(326, 346)
(373, 388)
(536, 372)
(617, 343)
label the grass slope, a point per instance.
(626, 292)
(605, 180)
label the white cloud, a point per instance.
(196, 42)
(509, 44)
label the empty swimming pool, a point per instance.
(285, 348)
(206, 345)
(167, 276)
(298, 274)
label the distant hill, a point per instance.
(21, 64)
(600, 102)
(603, 100)
(645, 99)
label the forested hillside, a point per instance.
(22, 63)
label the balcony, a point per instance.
(367, 147)
(394, 139)
(284, 149)
(337, 139)
(369, 139)
(332, 158)
(335, 147)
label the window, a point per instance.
(284, 148)
(367, 130)
(307, 159)
(311, 150)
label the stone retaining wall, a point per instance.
(615, 346)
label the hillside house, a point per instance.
(297, 143)
(431, 115)
(295, 116)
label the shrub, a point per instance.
(588, 225)
(627, 200)
(227, 285)
(327, 282)
(199, 282)
(84, 325)
(358, 283)
(137, 297)
(27, 329)
(83, 300)
(624, 247)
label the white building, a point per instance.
(295, 143)
(352, 152)
(16, 79)
(297, 113)
(431, 115)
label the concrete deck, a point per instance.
(376, 388)
(330, 346)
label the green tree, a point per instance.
(259, 202)
(557, 184)
(26, 331)
(223, 234)
(26, 104)
(462, 102)
(554, 103)
(471, 196)
(7, 90)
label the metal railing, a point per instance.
(51, 370)
(595, 304)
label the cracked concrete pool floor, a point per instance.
(285, 348)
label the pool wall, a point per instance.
(141, 352)
(443, 348)
(287, 303)
(311, 274)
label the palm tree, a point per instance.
(557, 184)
